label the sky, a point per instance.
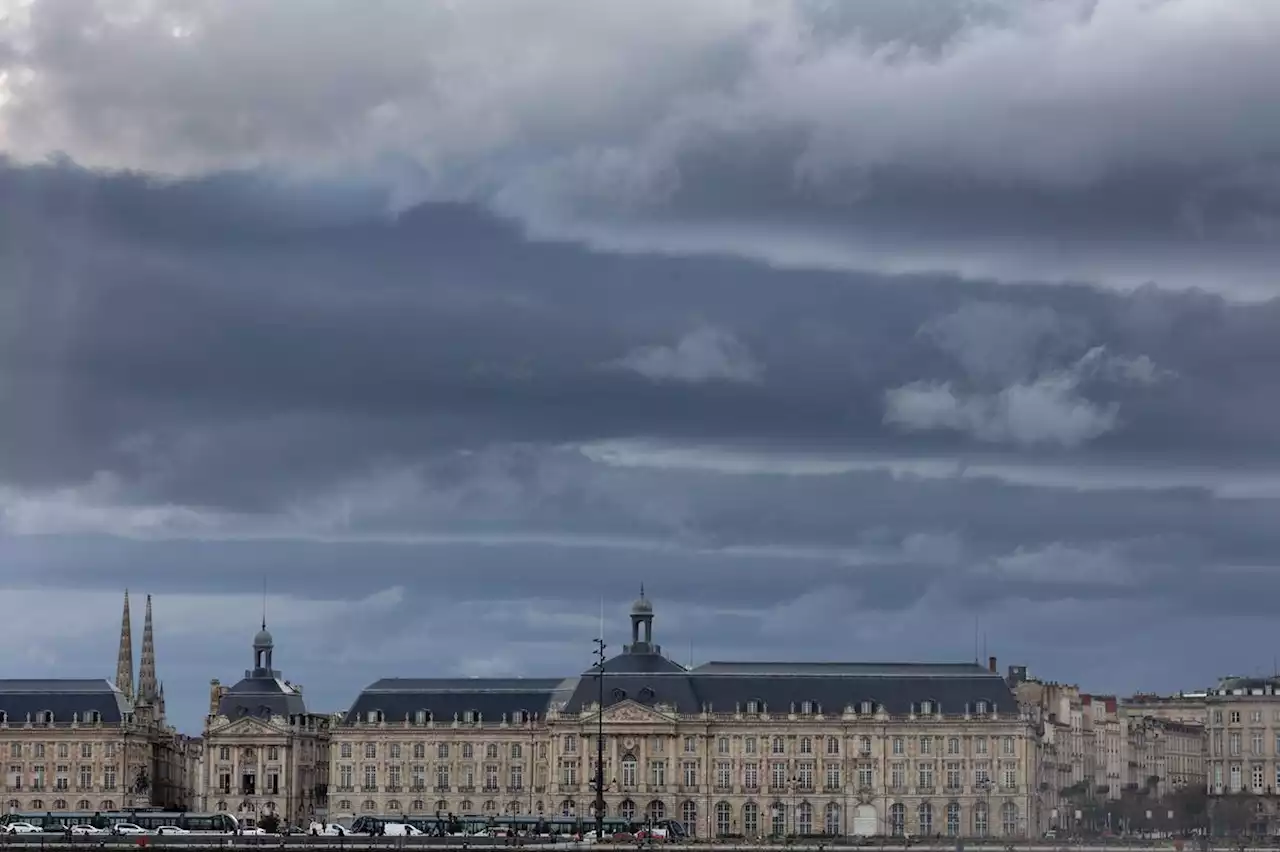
(853, 331)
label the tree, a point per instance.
(270, 823)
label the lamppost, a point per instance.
(600, 646)
(985, 787)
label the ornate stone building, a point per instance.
(747, 749)
(263, 753)
(90, 744)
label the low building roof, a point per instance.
(65, 698)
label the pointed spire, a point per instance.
(147, 664)
(124, 659)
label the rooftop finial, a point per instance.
(264, 603)
(642, 590)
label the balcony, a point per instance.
(369, 788)
(442, 788)
(341, 788)
(395, 788)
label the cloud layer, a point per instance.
(1117, 143)
(456, 318)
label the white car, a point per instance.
(252, 830)
(127, 828)
(171, 829)
(80, 830)
(23, 828)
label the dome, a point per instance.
(642, 606)
(263, 639)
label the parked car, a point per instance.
(84, 830)
(171, 829)
(23, 828)
(127, 828)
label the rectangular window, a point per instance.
(1259, 778)
(778, 776)
(897, 775)
(751, 776)
(1009, 777)
(691, 773)
(926, 745)
(749, 745)
(569, 774)
(899, 747)
(346, 777)
(658, 772)
(370, 776)
(833, 776)
(442, 777)
(690, 745)
(442, 751)
(517, 778)
(394, 775)
(980, 745)
(953, 776)
(724, 774)
(1006, 746)
(86, 750)
(1233, 742)
(1255, 743)
(570, 744)
(491, 777)
(925, 772)
(866, 776)
(86, 777)
(804, 776)
(418, 776)
(722, 745)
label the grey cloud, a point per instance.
(973, 137)
(704, 354)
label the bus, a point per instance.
(149, 819)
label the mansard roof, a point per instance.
(65, 698)
(261, 697)
(400, 698)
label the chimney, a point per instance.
(991, 664)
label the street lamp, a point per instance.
(600, 646)
(985, 787)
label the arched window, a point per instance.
(220, 807)
(1009, 819)
(953, 745)
(953, 819)
(629, 772)
(924, 819)
(567, 807)
(393, 805)
(981, 826)
(466, 806)
(627, 810)
(864, 745)
(368, 806)
(84, 805)
(806, 745)
(108, 805)
(657, 810)
(804, 819)
(779, 827)
(417, 806)
(517, 753)
(490, 806)
(833, 745)
(59, 804)
(442, 806)
(898, 819)
(831, 821)
(689, 816)
(751, 820)
(491, 751)
(724, 819)
(15, 805)
(344, 805)
(515, 808)
(37, 805)
(779, 747)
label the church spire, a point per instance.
(147, 686)
(124, 659)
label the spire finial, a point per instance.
(124, 658)
(642, 590)
(147, 685)
(264, 603)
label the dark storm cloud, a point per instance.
(1117, 142)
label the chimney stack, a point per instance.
(991, 664)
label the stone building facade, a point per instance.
(742, 749)
(263, 753)
(92, 744)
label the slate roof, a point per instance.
(63, 697)
(723, 687)
(261, 697)
(397, 698)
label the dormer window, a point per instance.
(46, 717)
(619, 694)
(93, 717)
(647, 693)
(4, 718)
(421, 717)
(980, 708)
(374, 717)
(926, 708)
(806, 708)
(753, 706)
(470, 716)
(866, 708)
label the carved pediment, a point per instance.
(246, 726)
(629, 712)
